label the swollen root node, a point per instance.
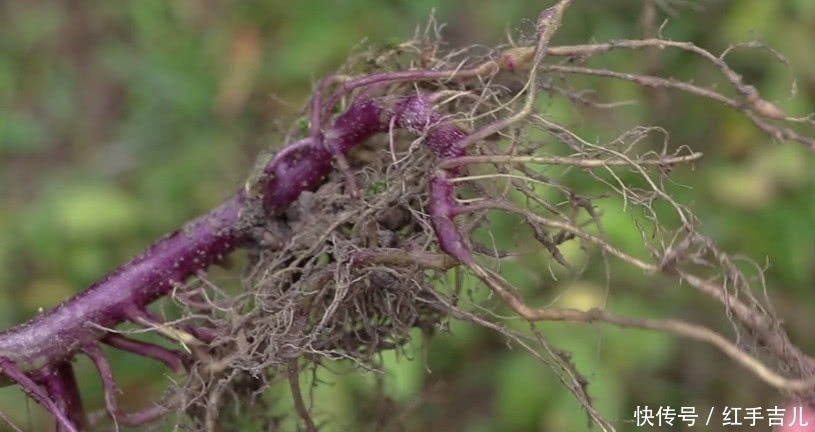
(442, 211)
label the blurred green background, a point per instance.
(118, 121)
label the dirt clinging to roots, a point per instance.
(338, 278)
(334, 278)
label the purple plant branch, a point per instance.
(83, 319)
(80, 322)
(319, 109)
(125, 292)
(511, 59)
(49, 341)
(77, 324)
(60, 383)
(482, 70)
(109, 390)
(174, 360)
(36, 392)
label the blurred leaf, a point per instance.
(41, 23)
(95, 211)
(653, 349)
(44, 294)
(754, 16)
(789, 167)
(581, 295)
(519, 397)
(741, 188)
(20, 133)
(198, 86)
(404, 375)
(620, 226)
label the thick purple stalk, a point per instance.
(60, 383)
(82, 322)
(61, 332)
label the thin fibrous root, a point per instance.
(148, 320)
(512, 59)
(442, 191)
(548, 23)
(504, 290)
(203, 334)
(299, 404)
(345, 169)
(570, 161)
(443, 210)
(691, 331)
(109, 388)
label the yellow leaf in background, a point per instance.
(787, 166)
(239, 78)
(581, 295)
(736, 137)
(573, 252)
(95, 211)
(45, 293)
(743, 188)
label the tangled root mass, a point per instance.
(336, 277)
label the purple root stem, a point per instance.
(443, 209)
(109, 388)
(51, 339)
(78, 323)
(399, 77)
(35, 392)
(143, 317)
(60, 383)
(85, 318)
(318, 110)
(174, 360)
